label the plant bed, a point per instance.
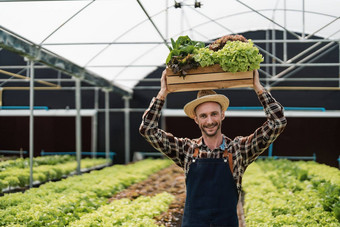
(171, 180)
(60, 203)
(210, 77)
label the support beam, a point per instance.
(1, 92)
(78, 126)
(19, 45)
(303, 19)
(74, 15)
(304, 59)
(255, 11)
(153, 24)
(95, 123)
(323, 27)
(127, 127)
(300, 68)
(107, 125)
(31, 123)
(285, 55)
(25, 78)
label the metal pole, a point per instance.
(107, 126)
(154, 25)
(267, 56)
(303, 19)
(304, 59)
(95, 124)
(256, 11)
(127, 127)
(1, 91)
(182, 21)
(339, 62)
(78, 125)
(284, 33)
(59, 79)
(31, 136)
(273, 51)
(300, 68)
(166, 20)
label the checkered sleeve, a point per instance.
(173, 147)
(253, 145)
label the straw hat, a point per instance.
(206, 96)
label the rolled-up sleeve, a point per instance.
(253, 145)
(162, 141)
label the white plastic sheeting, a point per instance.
(115, 38)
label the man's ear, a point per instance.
(195, 118)
(223, 115)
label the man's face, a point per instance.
(209, 118)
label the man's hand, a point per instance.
(256, 83)
(164, 89)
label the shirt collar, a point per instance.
(200, 142)
(222, 146)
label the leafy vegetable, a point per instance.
(235, 56)
(283, 193)
(205, 57)
(233, 52)
(125, 212)
(62, 202)
(180, 57)
(219, 43)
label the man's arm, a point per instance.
(252, 146)
(162, 141)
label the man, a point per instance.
(214, 164)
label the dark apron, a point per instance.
(211, 194)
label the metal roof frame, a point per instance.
(21, 46)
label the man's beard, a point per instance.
(203, 129)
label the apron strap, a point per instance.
(225, 155)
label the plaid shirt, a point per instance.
(244, 149)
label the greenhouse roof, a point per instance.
(123, 41)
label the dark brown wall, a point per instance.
(302, 136)
(52, 134)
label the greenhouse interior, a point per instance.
(88, 139)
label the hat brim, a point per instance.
(190, 107)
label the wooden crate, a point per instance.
(211, 77)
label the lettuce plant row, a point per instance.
(37, 161)
(281, 193)
(65, 201)
(17, 176)
(125, 212)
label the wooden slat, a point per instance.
(210, 85)
(209, 77)
(200, 70)
(212, 77)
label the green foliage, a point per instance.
(43, 173)
(124, 212)
(12, 181)
(37, 161)
(65, 201)
(205, 57)
(237, 56)
(180, 57)
(282, 193)
(183, 47)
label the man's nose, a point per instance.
(209, 119)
